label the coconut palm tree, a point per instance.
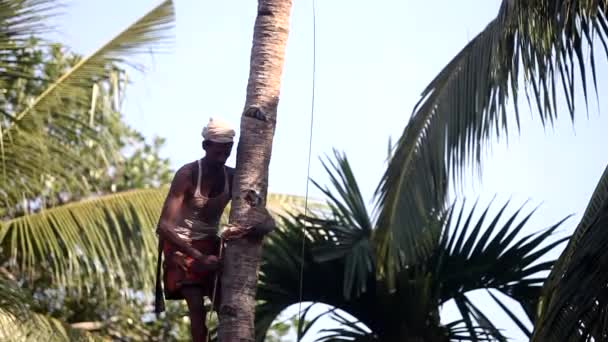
(47, 126)
(536, 43)
(258, 121)
(546, 45)
(539, 43)
(340, 269)
(42, 135)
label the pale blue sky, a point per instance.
(373, 60)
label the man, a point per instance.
(189, 223)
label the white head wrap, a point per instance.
(218, 131)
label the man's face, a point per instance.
(217, 152)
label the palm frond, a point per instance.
(150, 33)
(476, 255)
(20, 20)
(279, 277)
(412, 190)
(347, 203)
(458, 331)
(109, 239)
(285, 205)
(280, 204)
(106, 240)
(304, 325)
(464, 107)
(348, 330)
(566, 310)
(57, 122)
(345, 234)
(472, 314)
(19, 323)
(13, 301)
(40, 327)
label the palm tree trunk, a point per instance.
(241, 259)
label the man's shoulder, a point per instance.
(183, 175)
(186, 170)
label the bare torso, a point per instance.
(207, 194)
(194, 205)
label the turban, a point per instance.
(218, 131)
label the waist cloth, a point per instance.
(201, 236)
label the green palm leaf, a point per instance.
(279, 277)
(567, 311)
(348, 330)
(39, 327)
(108, 239)
(464, 107)
(346, 233)
(150, 33)
(479, 255)
(19, 323)
(413, 189)
(104, 240)
(20, 20)
(459, 331)
(280, 205)
(54, 127)
(13, 302)
(467, 254)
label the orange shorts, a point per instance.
(174, 277)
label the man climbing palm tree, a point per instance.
(189, 226)
(189, 223)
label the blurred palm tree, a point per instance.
(550, 47)
(537, 44)
(340, 269)
(43, 134)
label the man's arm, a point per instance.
(264, 225)
(171, 210)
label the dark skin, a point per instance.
(176, 207)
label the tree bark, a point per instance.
(241, 258)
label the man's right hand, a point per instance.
(206, 263)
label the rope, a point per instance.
(312, 117)
(213, 295)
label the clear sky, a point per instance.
(373, 60)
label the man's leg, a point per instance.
(194, 298)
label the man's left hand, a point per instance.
(234, 232)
